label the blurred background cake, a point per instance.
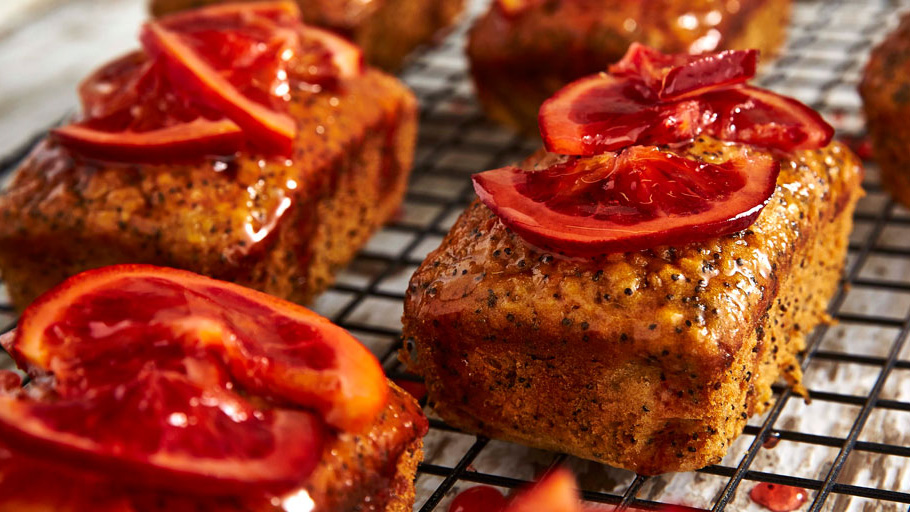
(522, 51)
(387, 30)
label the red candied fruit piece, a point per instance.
(168, 379)
(672, 76)
(657, 99)
(131, 113)
(164, 431)
(636, 199)
(244, 61)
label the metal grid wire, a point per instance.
(858, 370)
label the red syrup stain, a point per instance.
(771, 440)
(862, 146)
(480, 498)
(417, 389)
(778, 498)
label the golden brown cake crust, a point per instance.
(518, 62)
(387, 30)
(885, 90)
(281, 226)
(373, 471)
(650, 361)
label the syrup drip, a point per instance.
(778, 498)
(771, 441)
(480, 498)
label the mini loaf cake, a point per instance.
(885, 90)
(387, 30)
(272, 177)
(630, 295)
(523, 51)
(156, 389)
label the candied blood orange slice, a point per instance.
(191, 71)
(161, 430)
(244, 60)
(130, 114)
(182, 141)
(636, 199)
(656, 99)
(673, 76)
(605, 113)
(762, 118)
(103, 325)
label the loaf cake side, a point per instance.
(651, 361)
(518, 62)
(270, 223)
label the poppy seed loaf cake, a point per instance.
(652, 360)
(278, 225)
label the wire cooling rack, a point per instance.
(849, 448)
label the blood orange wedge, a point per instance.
(656, 99)
(639, 198)
(130, 113)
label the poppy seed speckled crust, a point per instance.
(375, 469)
(885, 90)
(280, 226)
(387, 30)
(650, 361)
(518, 62)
